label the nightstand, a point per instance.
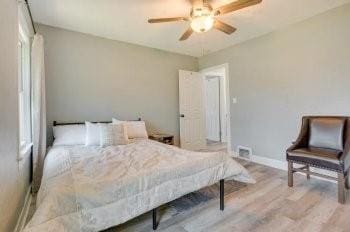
(163, 138)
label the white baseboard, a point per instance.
(283, 165)
(24, 212)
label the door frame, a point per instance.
(228, 102)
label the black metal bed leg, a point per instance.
(222, 193)
(154, 216)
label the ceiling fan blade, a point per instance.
(164, 20)
(187, 34)
(224, 27)
(235, 6)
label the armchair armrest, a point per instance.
(302, 140)
(345, 157)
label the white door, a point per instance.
(212, 108)
(192, 127)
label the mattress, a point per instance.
(92, 188)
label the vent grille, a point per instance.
(244, 152)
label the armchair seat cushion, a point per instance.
(321, 157)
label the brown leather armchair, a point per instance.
(323, 142)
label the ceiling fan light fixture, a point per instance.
(202, 23)
(202, 16)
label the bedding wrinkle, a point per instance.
(103, 187)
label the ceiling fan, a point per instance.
(203, 17)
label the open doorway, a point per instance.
(216, 108)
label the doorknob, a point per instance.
(182, 115)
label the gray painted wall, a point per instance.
(277, 78)
(91, 78)
(14, 174)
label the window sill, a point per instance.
(25, 151)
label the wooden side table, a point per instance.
(163, 138)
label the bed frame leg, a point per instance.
(154, 216)
(222, 193)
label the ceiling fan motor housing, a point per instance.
(202, 18)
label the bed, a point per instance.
(88, 188)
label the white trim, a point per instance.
(228, 102)
(21, 222)
(283, 165)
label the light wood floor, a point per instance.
(268, 205)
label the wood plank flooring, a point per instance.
(268, 205)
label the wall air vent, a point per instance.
(244, 152)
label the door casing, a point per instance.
(227, 102)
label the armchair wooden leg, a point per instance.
(290, 173)
(347, 184)
(341, 188)
(308, 172)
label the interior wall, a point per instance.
(14, 174)
(279, 77)
(91, 78)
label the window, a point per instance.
(24, 93)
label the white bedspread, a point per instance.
(92, 188)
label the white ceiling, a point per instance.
(126, 20)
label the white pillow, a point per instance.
(69, 135)
(113, 134)
(116, 121)
(92, 134)
(135, 129)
